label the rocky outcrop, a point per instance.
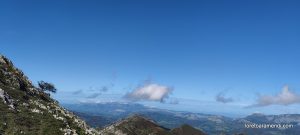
(11, 76)
(7, 99)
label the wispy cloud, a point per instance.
(101, 89)
(285, 97)
(150, 92)
(77, 92)
(98, 91)
(220, 97)
(94, 91)
(94, 95)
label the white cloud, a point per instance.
(285, 97)
(150, 92)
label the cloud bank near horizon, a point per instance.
(285, 97)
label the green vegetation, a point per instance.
(24, 121)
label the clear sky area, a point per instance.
(232, 57)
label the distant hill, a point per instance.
(138, 125)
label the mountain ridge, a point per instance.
(27, 110)
(140, 125)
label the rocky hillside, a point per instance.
(26, 110)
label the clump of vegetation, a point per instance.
(46, 87)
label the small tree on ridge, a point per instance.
(45, 86)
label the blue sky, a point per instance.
(199, 48)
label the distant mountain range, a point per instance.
(104, 114)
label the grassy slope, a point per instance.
(25, 121)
